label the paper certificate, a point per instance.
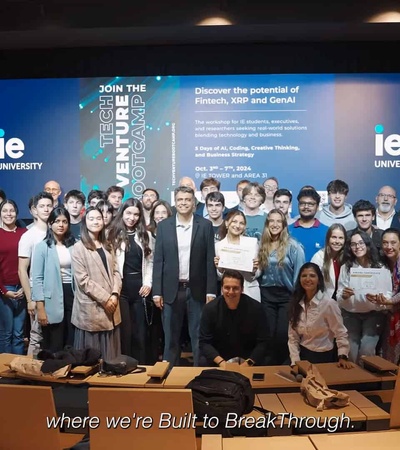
(238, 257)
(368, 281)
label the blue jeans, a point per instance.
(12, 319)
(364, 330)
(172, 320)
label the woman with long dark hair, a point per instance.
(160, 210)
(330, 258)
(364, 320)
(134, 250)
(280, 258)
(12, 300)
(52, 282)
(315, 321)
(96, 314)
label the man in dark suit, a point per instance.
(386, 215)
(184, 275)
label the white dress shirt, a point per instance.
(184, 237)
(319, 324)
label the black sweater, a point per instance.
(229, 333)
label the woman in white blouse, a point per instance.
(315, 321)
(330, 258)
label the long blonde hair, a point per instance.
(266, 242)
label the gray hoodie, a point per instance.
(346, 217)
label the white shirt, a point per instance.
(184, 237)
(382, 223)
(318, 325)
(28, 242)
(318, 259)
(64, 256)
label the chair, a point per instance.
(107, 403)
(395, 405)
(24, 415)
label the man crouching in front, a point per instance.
(233, 327)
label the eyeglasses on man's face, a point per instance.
(390, 196)
(309, 204)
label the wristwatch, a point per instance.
(346, 358)
(250, 362)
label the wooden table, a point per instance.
(78, 375)
(179, 377)
(138, 380)
(385, 440)
(216, 442)
(363, 414)
(355, 378)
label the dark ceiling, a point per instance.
(77, 23)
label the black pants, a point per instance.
(57, 335)
(275, 302)
(133, 325)
(318, 357)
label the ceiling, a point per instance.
(80, 23)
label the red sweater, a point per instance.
(9, 257)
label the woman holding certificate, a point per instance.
(363, 319)
(234, 249)
(280, 259)
(391, 251)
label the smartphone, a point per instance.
(258, 377)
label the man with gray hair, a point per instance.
(386, 216)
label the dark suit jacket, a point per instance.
(395, 221)
(203, 276)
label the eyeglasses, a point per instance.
(391, 196)
(359, 244)
(309, 204)
(270, 188)
(52, 190)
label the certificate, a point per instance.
(238, 257)
(368, 281)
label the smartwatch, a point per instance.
(346, 358)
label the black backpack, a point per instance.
(219, 392)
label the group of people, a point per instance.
(125, 276)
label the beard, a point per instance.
(384, 207)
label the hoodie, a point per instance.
(346, 217)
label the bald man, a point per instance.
(54, 189)
(386, 216)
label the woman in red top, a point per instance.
(12, 300)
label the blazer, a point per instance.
(93, 288)
(147, 263)
(47, 282)
(203, 276)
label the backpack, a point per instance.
(219, 392)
